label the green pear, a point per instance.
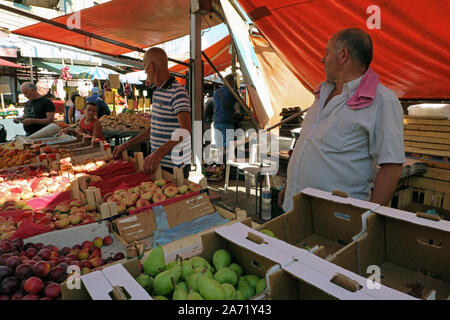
(205, 271)
(230, 291)
(193, 295)
(179, 293)
(240, 295)
(210, 289)
(236, 268)
(145, 281)
(245, 287)
(199, 262)
(260, 286)
(186, 269)
(221, 259)
(226, 275)
(164, 283)
(183, 286)
(252, 279)
(172, 264)
(160, 298)
(192, 281)
(155, 263)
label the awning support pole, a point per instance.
(236, 96)
(196, 81)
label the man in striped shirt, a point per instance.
(171, 118)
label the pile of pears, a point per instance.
(196, 279)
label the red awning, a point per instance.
(218, 53)
(138, 23)
(6, 63)
(411, 52)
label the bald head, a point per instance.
(157, 56)
(358, 44)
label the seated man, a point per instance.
(354, 124)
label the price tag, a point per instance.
(145, 93)
(136, 93)
(80, 102)
(114, 81)
(109, 97)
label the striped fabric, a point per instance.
(168, 100)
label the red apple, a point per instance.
(96, 262)
(31, 297)
(77, 246)
(33, 285)
(41, 269)
(57, 274)
(23, 271)
(18, 295)
(45, 298)
(39, 246)
(87, 245)
(107, 240)
(31, 252)
(64, 251)
(86, 264)
(4, 297)
(5, 272)
(119, 256)
(83, 254)
(72, 256)
(45, 254)
(13, 262)
(9, 285)
(53, 290)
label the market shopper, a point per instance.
(71, 114)
(39, 111)
(89, 124)
(224, 102)
(102, 106)
(354, 124)
(170, 111)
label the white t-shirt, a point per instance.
(339, 148)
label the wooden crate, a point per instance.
(415, 200)
(427, 135)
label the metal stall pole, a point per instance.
(196, 82)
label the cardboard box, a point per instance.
(291, 273)
(408, 249)
(98, 285)
(325, 224)
(142, 225)
(313, 278)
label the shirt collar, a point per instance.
(351, 86)
(168, 83)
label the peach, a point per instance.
(171, 191)
(158, 197)
(143, 203)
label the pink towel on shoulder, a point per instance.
(366, 91)
(364, 94)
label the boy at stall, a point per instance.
(89, 124)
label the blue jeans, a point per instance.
(222, 127)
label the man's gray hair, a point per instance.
(28, 86)
(358, 44)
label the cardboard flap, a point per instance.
(406, 216)
(100, 284)
(335, 217)
(320, 273)
(274, 249)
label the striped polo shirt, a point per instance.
(168, 100)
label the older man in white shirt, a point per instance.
(354, 124)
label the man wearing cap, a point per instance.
(102, 107)
(354, 124)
